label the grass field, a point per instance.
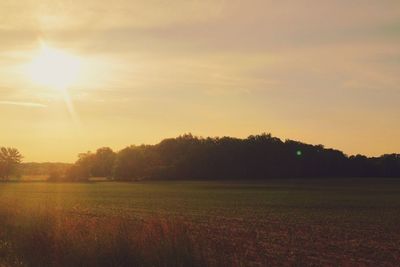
(308, 222)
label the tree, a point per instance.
(103, 162)
(10, 158)
(81, 170)
(256, 157)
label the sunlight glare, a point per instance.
(54, 68)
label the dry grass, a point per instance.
(54, 238)
(200, 224)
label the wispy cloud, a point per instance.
(23, 104)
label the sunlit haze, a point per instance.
(54, 68)
(78, 75)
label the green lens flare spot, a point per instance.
(299, 153)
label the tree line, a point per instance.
(189, 157)
(42, 168)
(256, 157)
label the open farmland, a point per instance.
(289, 222)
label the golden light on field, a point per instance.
(54, 68)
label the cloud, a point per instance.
(50, 14)
(23, 104)
(305, 67)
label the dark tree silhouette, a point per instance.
(256, 157)
(81, 170)
(103, 162)
(10, 158)
(99, 164)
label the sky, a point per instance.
(137, 71)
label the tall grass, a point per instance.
(54, 238)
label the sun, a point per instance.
(54, 68)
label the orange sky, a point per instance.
(318, 71)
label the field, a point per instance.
(308, 222)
